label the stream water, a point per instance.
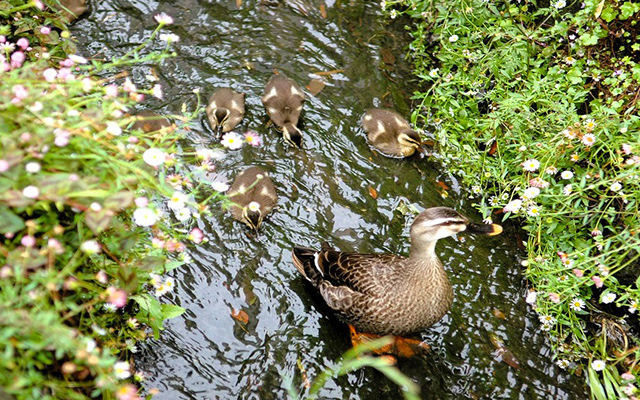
(324, 194)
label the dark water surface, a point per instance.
(324, 194)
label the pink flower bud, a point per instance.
(554, 297)
(597, 280)
(23, 43)
(578, 272)
(45, 30)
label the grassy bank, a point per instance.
(535, 106)
(91, 213)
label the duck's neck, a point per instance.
(423, 250)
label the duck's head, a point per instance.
(220, 117)
(410, 141)
(292, 135)
(252, 215)
(441, 222)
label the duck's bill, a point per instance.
(484, 229)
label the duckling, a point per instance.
(253, 196)
(390, 133)
(225, 110)
(148, 121)
(283, 101)
(385, 293)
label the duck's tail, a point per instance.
(308, 262)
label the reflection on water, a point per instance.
(324, 194)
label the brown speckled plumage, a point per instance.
(385, 293)
(283, 99)
(390, 133)
(252, 185)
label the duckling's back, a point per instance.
(252, 185)
(283, 100)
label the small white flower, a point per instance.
(90, 346)
(155, 280)
(513, 206)
(531, 297)
(547, 319)
(169, 37)
(567, 190)
(121, 370)
(531, 165)
(177, 200)
(534, 210)
(90, 247)
(31, 192)
(453, 38)
(157, 91)
(154, 157)
(590, 124)
(109, 307)
(476, 189)
(633, 307)
(232, 141)
(144, 216)
(551, 170)
(615, 186)
(163, 18)
(183, 214)
(531, 193)
(566, 174)
(77, 59)
(433, 73)
(608, 298)
(598, 365)
(563, 363)
(114, 129)
(560, 4)
(393, 14)
(577, 304)
(219, 187)
(32, 167)
(169, 284)
(588, 139)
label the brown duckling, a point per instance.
(283, 99)
(253, 196)
(390, 133)
(148, 121)
(225, 110)
(385, 293)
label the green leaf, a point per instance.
(628, 9)
(98, 221)
(609, 14)
(151, 263)
(171, 311)
(150, 312)
(9, 222)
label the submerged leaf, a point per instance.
(315, 86)
(240, 316)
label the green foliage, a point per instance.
(87, 230)
(535, 107)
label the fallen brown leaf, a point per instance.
(315, 86)
(323, 10)
(240, 316)
(333, 71)
(499, 314)
(373, 193)
(238, 3)
(442, 185)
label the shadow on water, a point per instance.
(324, 194)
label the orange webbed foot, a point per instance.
(400, 347)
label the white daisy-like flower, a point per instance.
(169, 284)
(31, 192)
(577, 304)
(534, 210)
(513, 206)
(531, 165)
(633, 307)
(546, 327)
(154, 157)
(121, 370)
(183, 214)
(32, 167)
(590, 124)
(598, 365)
(169, 37)
(219, 187)
(114, 129)
(232, 141)
(144, 216)
(177, 200)
(588, 139)
(615, 186)
(155, 280)
(531, 193)
(163, 19)
(434, 72)
(531, 297)
(608, 298)
(551, 170)
(566, 174)
(90, 247)
(560, 4)
(453, 38)
(567, 190)
(547, 319)
(563, 363)
(494, 201)
(109, 307)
